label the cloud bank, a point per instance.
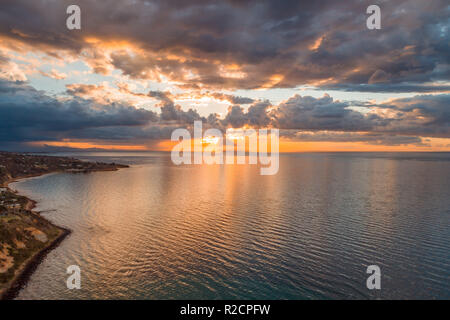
(28, 115)
(246, 45)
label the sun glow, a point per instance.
(210, 140)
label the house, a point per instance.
(13, 206)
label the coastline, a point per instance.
(24, 272)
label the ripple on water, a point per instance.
(159, 231)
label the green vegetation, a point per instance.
(24, 233)
(18, 241)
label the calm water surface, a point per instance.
(159, 231)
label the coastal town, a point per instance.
(25, 236)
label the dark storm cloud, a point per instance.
(322, 43)
(308, 113)
(30, 115)
(424, 115)
(125, 134)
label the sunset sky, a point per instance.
(139, 69)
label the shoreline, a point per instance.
(24, 273)
(30, 266)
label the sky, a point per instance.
(137, 70)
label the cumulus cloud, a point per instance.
(28, 115)
(10, 70)
(422, 115)
(256, 115)
(172, 112)
(308, 113)
(426, 115)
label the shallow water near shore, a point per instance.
(160, 231)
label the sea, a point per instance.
(158, 230)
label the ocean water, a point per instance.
(160, 231)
